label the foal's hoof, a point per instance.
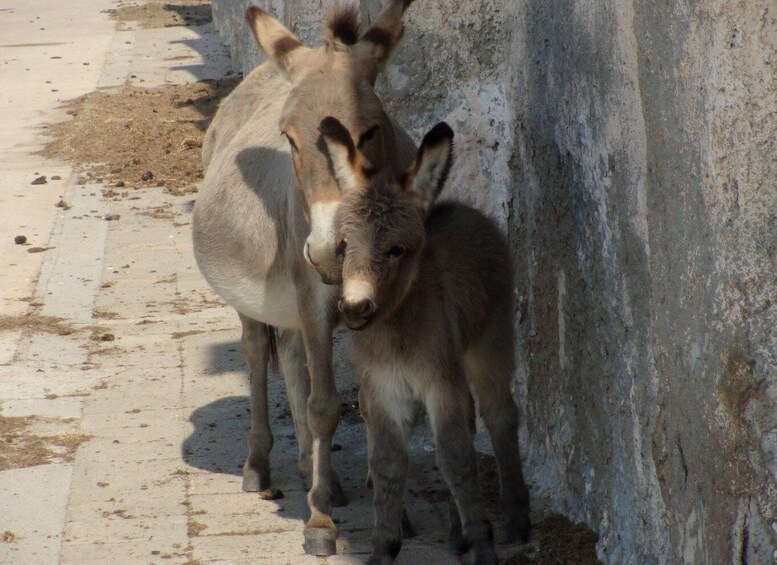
(518, 529)
(408, 531)
(320, 541)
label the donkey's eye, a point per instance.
(396, 251)
(291, 143)
(340, 251)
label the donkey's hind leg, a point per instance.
(490, 367)
(256, 348)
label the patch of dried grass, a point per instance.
(127, 132)
(20, 448)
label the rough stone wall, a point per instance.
(629, 149)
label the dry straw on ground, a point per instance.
(125, 135)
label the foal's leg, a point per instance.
(490, 366)
(456, 542)
(448, 404)
(408, 531)
(388, 429)
(295, 372)
(256, 348)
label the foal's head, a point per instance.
(335, 79)
(380, 223)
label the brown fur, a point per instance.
(442, 315)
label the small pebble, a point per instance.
(40, 180)
(112, 217)
(56, 177)
(20, 239)
(63, 204)
(148, 175)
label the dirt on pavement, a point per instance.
(132, 137)
(157, 13)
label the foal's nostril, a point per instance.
(366, 307)
(361, 310)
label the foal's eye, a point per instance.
(396, 251)
(340, 251)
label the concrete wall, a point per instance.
(629, 149)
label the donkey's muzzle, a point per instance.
(357, 314)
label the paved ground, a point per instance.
(151, 377)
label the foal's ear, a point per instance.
(347, 163)
(375, 46)
(277, 42)
(432, 164)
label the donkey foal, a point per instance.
(429, 287)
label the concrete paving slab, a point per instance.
(45, 408)
(34, 502)
(71, 274)
(145, 552)
(188, 54)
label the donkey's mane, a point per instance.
(342, 26)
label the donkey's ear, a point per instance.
(375, 46)
(277, 42)
(433, 162)
(343, 154)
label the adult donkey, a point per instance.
(262, 224)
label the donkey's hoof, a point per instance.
(320, 541)
(253, 482)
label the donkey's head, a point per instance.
(380, 223)
(336, 79)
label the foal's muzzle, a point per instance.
(357, 314)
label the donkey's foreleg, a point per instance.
(388, 430)
(323, 411)
(256, 348)
(291, 351)
(448, 405)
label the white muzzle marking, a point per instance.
(356, 290)
(321, 241)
